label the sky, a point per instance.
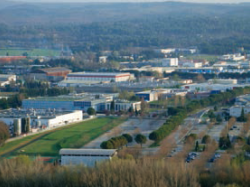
(196, 1)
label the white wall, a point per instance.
(58, 121)
(89, 161)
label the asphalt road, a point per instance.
(133, 127)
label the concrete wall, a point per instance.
(89, 161)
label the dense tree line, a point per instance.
(117, 142)
(12, 102)
(180, 113)
(211, 31)
(4, 133)
(36, 88)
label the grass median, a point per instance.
(72, 136)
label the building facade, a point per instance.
(100, 77)
(86, 157)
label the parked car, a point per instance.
(212, 159)
(217, 155)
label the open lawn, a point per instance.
(72, 136)
(31, 52)
(211, 58)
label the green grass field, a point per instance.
(73, 136)
(211, 58)
(31, 52)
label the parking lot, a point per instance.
(133, 127)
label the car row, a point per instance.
(215, 157)
(191, 156)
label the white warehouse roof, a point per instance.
(88, 152)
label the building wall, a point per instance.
(99, 77)
(236, 110)
(169, 62)
(38, 104)
(65, 119)
(124, 106)
(89, 161)
(50, 121)
(63, 105)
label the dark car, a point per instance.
(212, 160)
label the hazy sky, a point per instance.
(197, 1)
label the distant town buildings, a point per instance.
(7, 79)
(222, 81)
(210, 87)
(233, 57)
(170, 62)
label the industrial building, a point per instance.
(241, 102)
(151, 95)
(86, 157)
(6, 79)
(123, 105)
(91, 78)
(233, 57)
(100, 76)
(170, 62)
(193, 64)
(210, 87)
(222, 81)
(79, 102)
(50, 74)
(27, 120)
(235, 111)
(200, 70)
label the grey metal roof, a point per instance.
(107, 152)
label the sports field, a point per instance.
(72, 136)
(31, 52)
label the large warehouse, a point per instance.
(100, 76)
(87, 157)
(51, 74)
(39, 119)
(68, 102)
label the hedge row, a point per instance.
(116, 142)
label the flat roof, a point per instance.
(99, 73)
(33, 113)
(88, 152)
(54, 69)
(86, 98)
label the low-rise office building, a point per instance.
(38, 119)
(222, 81)
(200, 70)
(82, 102)
(151, 95)
(124, 105)
(210, 87)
